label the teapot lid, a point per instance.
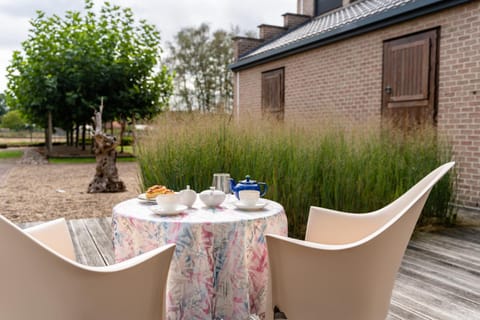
(248, 181)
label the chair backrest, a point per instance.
(331, 227)
(38, 283)
(55, 235)
(348, 280)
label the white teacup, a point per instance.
(249, 197)
(168, 202)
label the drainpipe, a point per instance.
(237, 94)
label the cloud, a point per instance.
(169, 16)
(16, 31)
(27, 8)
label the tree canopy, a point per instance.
(68, 63)
(200, 60)
(13, 120)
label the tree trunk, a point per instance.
(122, 132)
(134, 134)
(49, 133)
(106, 175)
(76, 135)
(84, 129)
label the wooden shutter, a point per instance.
(273, 97)
(409, 78)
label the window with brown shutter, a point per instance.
(273, 94)
(409, 79)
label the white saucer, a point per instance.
(259, 205)
(143, 197)
(160, 211)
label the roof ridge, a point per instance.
(329, 21)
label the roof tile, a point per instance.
(353, 13)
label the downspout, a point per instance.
(301, 7)
(237, 93)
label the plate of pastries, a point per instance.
(153, 191)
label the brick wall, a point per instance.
(344, 80)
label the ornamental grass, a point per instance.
(353, 168)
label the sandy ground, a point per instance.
(49, 191)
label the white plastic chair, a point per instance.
(347, 265)
(40, 280)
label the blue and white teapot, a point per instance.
(248, 184)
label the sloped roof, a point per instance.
(356, 18)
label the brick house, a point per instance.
(364, 60)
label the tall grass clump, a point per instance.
(358, 169)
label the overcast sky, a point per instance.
(169, 16)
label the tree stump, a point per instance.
(106, 176)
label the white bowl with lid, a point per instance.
(212, 197)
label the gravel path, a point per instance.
(5, 166)
(35, 191)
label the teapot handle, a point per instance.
(265, 188)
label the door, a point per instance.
(273, 97)
(409, 80)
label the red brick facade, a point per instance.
(344, 80)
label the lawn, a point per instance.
(84, 160)
(11, 154)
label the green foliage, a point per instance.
(69, 63)
(356, 170)
(200, 60)
(127, 141)
(13, 120)
(3, 105)
(11, 154)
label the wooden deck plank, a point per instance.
(399, 311)
(100, 231)
(469, 234)
(85, 248)
(432, 301)
(455, 280)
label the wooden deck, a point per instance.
(439, 278)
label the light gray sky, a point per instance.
(169, 16)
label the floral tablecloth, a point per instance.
(220, 265)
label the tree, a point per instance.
(13, 120)
(69, 63)
(200, 60)
(3, 105)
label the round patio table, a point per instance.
(220, 266)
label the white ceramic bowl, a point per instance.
(168, 201)
(212, 197)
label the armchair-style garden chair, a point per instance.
(347, 265)
(40, 280)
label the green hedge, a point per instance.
(350, 169)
